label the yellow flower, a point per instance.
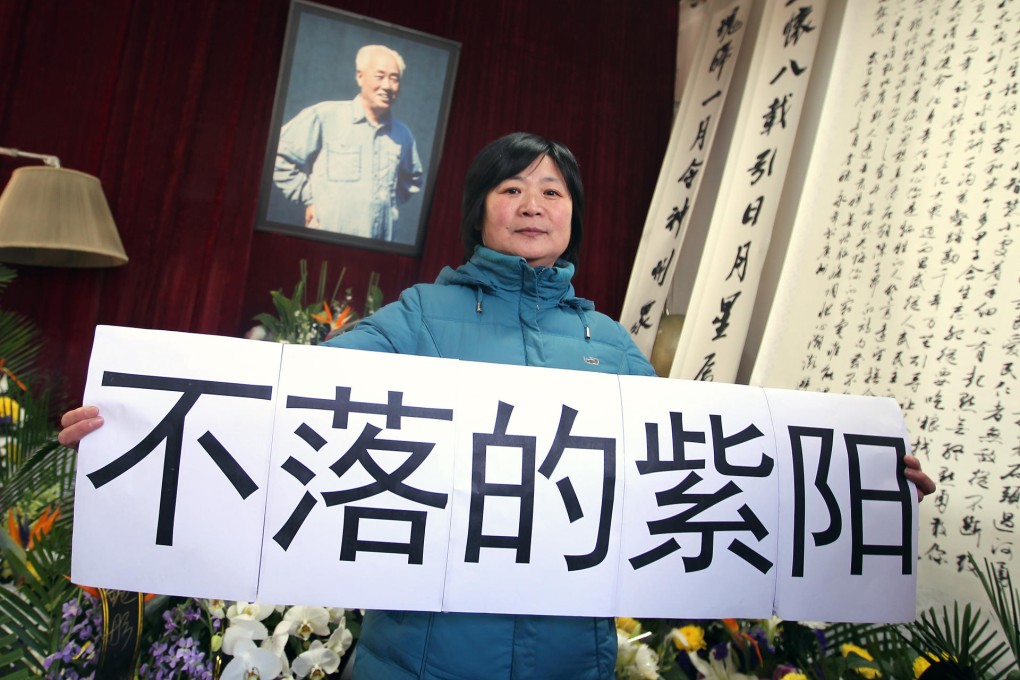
(870, 673)
(923, 663)
(688, 638)
(848, 649)
(10, 411)
(794, 676)
(628, 625)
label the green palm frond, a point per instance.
(12, 666)
(36, 474)
(19, 338)
(19, 345)
(6, 276)
(32, 431)
(33, 593)
(893, 656)
(963, 638)
(875, 638)
(30, 607)
(1005, 601)
(44, 478)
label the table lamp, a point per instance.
(56, 217)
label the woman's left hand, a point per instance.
(925, 484)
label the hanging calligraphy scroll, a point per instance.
(690, 145)
(235, 469)
(898, 278)
(717, 319)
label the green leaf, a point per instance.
(962, 638)
(1005, 601)
(6, 276)
(374, 296)
(12, 656)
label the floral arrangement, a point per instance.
(309, 324)
(734, 649)
(209, 639)
(957, 645)
(51, 628)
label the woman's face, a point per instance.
(529, 214)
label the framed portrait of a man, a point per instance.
(357, 130)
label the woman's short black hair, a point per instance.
(504, 158)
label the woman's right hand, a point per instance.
(77, 423)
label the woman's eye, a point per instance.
(512, 190)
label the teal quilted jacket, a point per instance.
(497, 309)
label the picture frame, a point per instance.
(361, 177)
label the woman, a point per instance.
(511, 303)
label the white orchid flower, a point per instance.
(717, 669)
(341, 639)
(240, 630)
(250, 610)
(336, 614)
(815, 625)
(216, 608)
(317, 662)
(636, 660)
(251, 663)
(771, 628)
(277, 644)
(304, 621)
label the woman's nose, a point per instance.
(530, 204)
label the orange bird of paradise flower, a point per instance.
(326, 317)
(25, 534)
(6, 371)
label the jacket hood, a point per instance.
(492, 273)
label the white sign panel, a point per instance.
(171, 491)
(700, 510)
(538, 493)
(848, 520)
(361, 474)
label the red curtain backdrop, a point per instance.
(169, 103)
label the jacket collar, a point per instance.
(495, 273)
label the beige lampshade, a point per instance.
(58, 218)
